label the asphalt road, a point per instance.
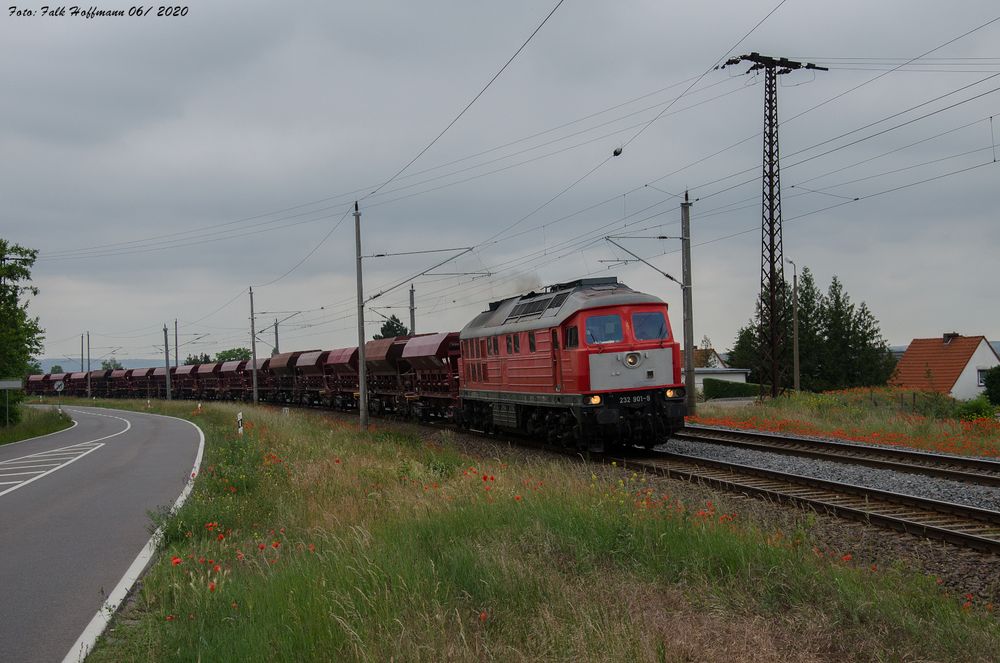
(73, 516)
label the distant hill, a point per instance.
(96, 364)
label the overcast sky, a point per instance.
(163, 165)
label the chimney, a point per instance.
(950, 336)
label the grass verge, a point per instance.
(34, 422)
(305, 540)
(870, 416)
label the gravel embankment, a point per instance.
(920, 485)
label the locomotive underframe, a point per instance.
(646, 419)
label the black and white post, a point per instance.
(362, 369)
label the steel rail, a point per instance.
(955, 523)
(956, 468)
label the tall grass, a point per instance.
(305, 540)
(34, 422)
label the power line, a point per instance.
(469, 105)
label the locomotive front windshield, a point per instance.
(649, 326)
(604, 329)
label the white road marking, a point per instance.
(69, 454)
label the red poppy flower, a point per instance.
(211, 586)
(240, 556)
(175, 560)
(261, 546)
(276, 544)
(216, 568)
(221, 537)
(312, 547)
(517, 497)
(483, 617)
(170, 618)
(848, 557)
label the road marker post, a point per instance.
(239, 423)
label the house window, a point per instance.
(981, 375)
(531, 341)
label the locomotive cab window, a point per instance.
(510, 346)
(555, 339)
(517, 342)
(604, 329)
(531, 341)
(649, 326)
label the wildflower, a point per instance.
(211, 586)
(846, 558)
(517, 498)
(939, 581)
(486, 477)
(240, 556)
(175, 560)
(235, 605)
(189, 534)
(170, 618)
(492, 478)
(874, 568)
(312, 547)
(211, 526)
(336, 461)
(221, 537)
(967, 605)
(261, 546)
(217, 568)
(276, 545)
(483, 617)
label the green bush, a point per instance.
(724, 389)
(993, 385)
(977, 408)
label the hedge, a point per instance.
(724, 389)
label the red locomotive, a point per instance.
(586, 364)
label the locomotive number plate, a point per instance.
(634, 399)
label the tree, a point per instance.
(993, 385)
(391, 328)
(56, 368)
(21, 335)
(840, 344)
(110, 365)
(233, 354)
(196, 358)
(810, 331)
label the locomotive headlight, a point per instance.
(594, 400)
(632, 359)
(674, 393)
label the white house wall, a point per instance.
(967, 385)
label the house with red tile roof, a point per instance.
(953, 364)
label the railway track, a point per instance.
(944, 466)
(955, 523)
